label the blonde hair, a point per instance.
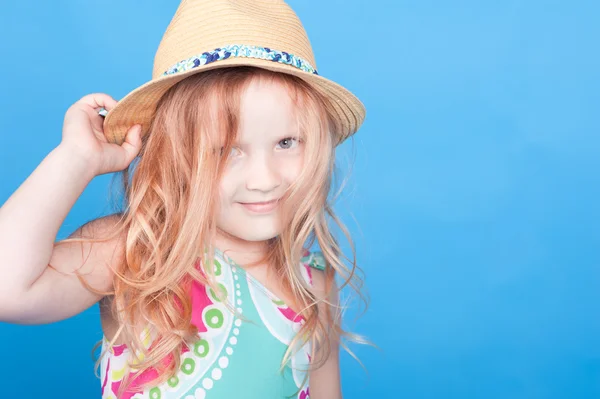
(170, 195)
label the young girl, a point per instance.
(206, 284)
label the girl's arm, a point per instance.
(325, 381)
(30, 291)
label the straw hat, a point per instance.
(209, 34)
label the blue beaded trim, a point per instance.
(241, 50)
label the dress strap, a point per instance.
(315, 259)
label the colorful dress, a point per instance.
(232, 358)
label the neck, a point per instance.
(242, 252)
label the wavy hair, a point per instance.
(168, 219)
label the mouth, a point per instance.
(260, 207)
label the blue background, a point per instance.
(473, 198)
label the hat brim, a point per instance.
(139, 106)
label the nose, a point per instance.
(262, 174)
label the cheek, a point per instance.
(290, 168)
(227, 188)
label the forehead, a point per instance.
(266, 106)
(263, 107)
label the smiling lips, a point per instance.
(260, 207)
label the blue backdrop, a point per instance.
(473, 198)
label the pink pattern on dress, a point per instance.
(305, 394)
(118, 349)
(105, 376)
(134, 388)
(289, 314)
(200, 300)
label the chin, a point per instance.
(253, 232)
(258, 237)
(257, 234)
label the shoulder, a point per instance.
(107, 239)
(89, 249)
(100, 227)
(108, 254)
(106, 245)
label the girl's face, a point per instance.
(266, 160)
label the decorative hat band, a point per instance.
(241, 50)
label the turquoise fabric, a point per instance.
(233, 357)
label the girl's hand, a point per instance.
(83, 135)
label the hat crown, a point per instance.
(204, 25)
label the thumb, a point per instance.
(132, 143)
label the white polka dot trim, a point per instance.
(223, 361)
(198, 394)
(207, 383)
(216, 374)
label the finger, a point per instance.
(132, 143)
(122, 155)
(98, 100)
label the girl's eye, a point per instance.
(288, 142)
(234, 151)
